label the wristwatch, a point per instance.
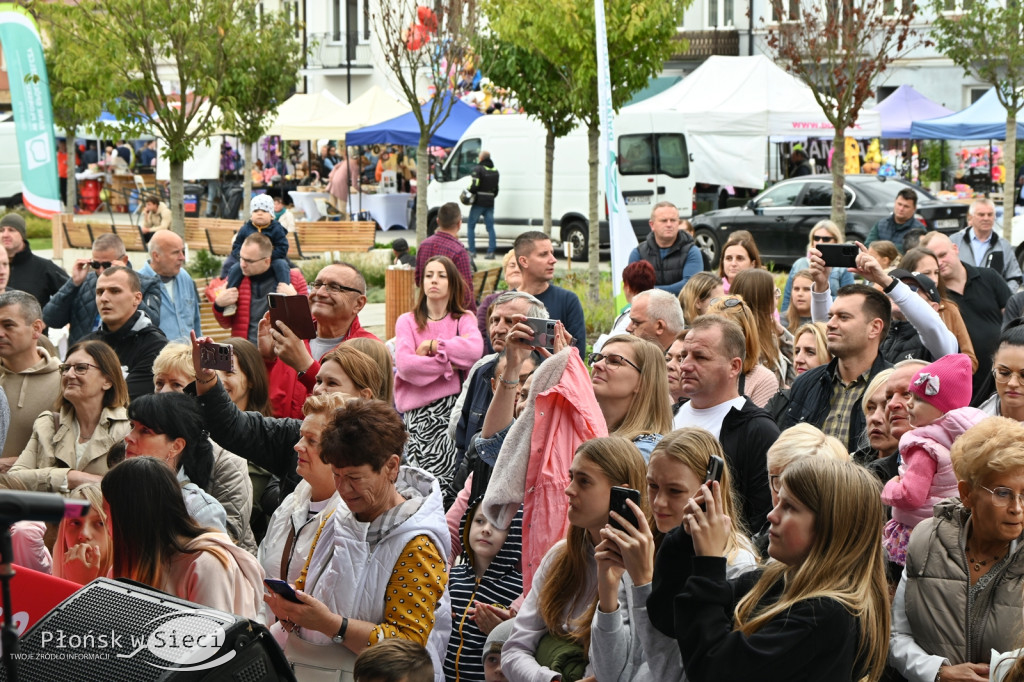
(340, 637)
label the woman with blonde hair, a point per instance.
(630, 382)
(739, 253)
(823, 232)
(757, 382)
(697, 294)
(676, 471)
(757, 289)
(382, 356)
(84, 549)
(558, 612)
(819, 611)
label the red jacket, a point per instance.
(239, 322)
(288, 388)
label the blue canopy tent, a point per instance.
(404, 130)
(904, 106)
(983, 120)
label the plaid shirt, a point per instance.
(845, 399)
(443, 244)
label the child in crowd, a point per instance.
(261, 220)
(482, 587)
(492, 651)
(885, 253)
(283, 215)
(84, 549)
(939, 414)
(394, 660)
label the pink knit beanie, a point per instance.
(945, 384)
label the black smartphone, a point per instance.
(543, 332)
(294, 312)
(282, 588)
(839, 255)
(714, 473)
(617, 504)
(216, 356)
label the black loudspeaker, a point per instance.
(114, 631)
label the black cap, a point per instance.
(923, 282)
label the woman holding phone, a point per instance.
(679, 465)
(435, 345)
(819, 611)
(551, 638)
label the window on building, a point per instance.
(712, 13)
(791, 9)
(728, 12)
(894, 7)
(957, 5)
(349, 24)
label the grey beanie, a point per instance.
(14, 220)
(499, 635)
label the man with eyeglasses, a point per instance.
(40, 277)
(241, 308)
(710, 368)
(126, 328)
(335, 298)
(894, 227)
(75, 302)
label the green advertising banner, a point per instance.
(33, 114)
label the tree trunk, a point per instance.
(549, 175)
(594, 245)
(1010, 177)
(250, 163)
(72, 189)
(839, 179)
(422, 180)
(177, 192)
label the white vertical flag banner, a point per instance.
(620, 229)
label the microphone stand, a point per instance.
(9, 634)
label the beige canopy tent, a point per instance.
(373, 106)
(308, 117)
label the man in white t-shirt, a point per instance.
(713, 352)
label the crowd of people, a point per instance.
(725, 488)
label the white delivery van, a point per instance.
(654, 166)
(10, 163)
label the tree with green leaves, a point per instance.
(421, 45)
(839, 49)
(168, 61)
(538, 87)
(640, 39)
(985, 41)
(260, 78)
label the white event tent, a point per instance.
(307, 116)
(734, 105)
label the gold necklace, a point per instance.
(979, 563)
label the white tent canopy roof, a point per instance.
(735, 104)
(373, 106)
(305, 117)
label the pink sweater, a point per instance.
(422, 379)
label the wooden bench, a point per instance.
(212, 234)
(485, 282)
(132, 237)
(70, 234)
(313, 239)
(207, 319)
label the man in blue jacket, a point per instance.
(179, 308)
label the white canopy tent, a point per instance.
(373, 106)
(308, 117)
(735, 104)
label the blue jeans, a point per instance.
(474, 216)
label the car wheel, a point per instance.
(706, 242)
(576, 233)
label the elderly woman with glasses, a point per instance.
(69, 445)
(823, 232)
(960, 596)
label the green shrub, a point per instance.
(600, 314)
(204, 264)
(371, 265)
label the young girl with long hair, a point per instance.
(819, 611)
(84, 549)
(676, 471)
(799, 311)
(758, 382)
(739, 253)
(757, 289)
(157, 543)
(435, 345)
(697, 294)
(555, 619)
